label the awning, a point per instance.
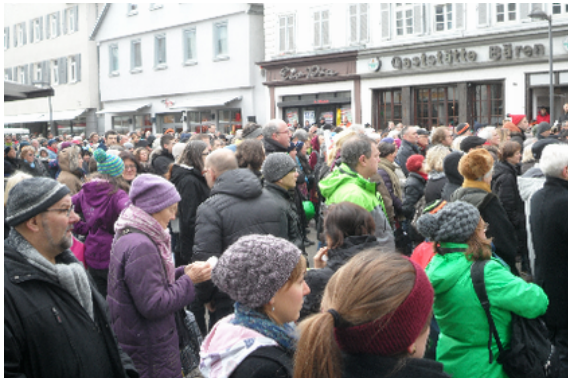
(65, 115)
(15, 91)
(124, 109)
(23, 118)
(213, 102)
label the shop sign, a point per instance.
(314, 71)
(321, 101)
(507, 51)
(446, 57)
(565, 43)
(374, 64)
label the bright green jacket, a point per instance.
(464, 330)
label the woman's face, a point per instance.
(495, 138)
(144, 156)
(523, 124)
(288, 301)
(86, 158)
(515, 159)
(304, 149)
(392, 156)
(29, 157)
(165, 216)
(130, 171)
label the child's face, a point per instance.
(86, 157)
(43, 154)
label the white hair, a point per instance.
(554, 159)
(357, 128)
(395, 134)
(486, 132)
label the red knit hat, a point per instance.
(414, 163)
(395, 332)
(516, 118)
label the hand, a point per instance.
(320, 259)
(210, 306)
(198, 271)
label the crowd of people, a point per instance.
(123, 251)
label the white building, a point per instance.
(180, 66)
(48, 45)
(421, 63)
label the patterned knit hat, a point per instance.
(31, 197)
(277, 165)
(455, 222)
(462, 128)
(108, 163)
(153, 193)
(254, 268)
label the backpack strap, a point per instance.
(486, 201)
(478, 279)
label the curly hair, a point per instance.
(250, 154)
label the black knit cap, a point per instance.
(31, 197)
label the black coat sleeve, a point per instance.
(412, 195)
(192, 195)
(505, 187)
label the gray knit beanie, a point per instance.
(455, 222)
(31, 197)
(277, 165)
(254, 268)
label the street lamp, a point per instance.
(540, 15)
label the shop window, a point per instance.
(404, 17)
(142, 122)
(390, 107)
(444, 17)
(221, 40)
(321, 29)
(486, 101)
(437, 106)
(122, 124)
(229, 120)
(287, 33)
(358, 23)
(505, 12)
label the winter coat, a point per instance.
(37, 171)
(387, 170)
(100, 210)
(519, 138)
(343, 184)
(285, 201)
(464, 329)
(161, 160)
(549, 207)
(47, 333)
(143, 304)
(376, 366)
(435, 185)
(193, 190)
(271, 146)
(406, 150)
(10, 166)
(413, 192)
(237, 206)
(318, 278)
(71, 173)
(504, 186)
(500, 228)
(385, 195)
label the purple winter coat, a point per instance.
(142, 306)
(100, 212)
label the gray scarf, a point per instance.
(72, 277)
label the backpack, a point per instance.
(530, 350)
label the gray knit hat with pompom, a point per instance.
(455, 222)
(254, 268)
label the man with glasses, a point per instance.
(276, 136)
(55, 322)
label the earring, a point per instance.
(413, 351)
(273, 308)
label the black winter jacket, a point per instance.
(285, 200)
(161, 161)
(504, 185)
(406, 150)
(10, 166)
(237, 206)
(271, 146)
(193, 190)
(413, 191)
(47, 333)
(434, 187)
(272, 362)
(38, 170)
(375, 366)
(318, 278)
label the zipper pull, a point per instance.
(57, 316)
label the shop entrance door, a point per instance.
(436, 106)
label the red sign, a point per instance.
(321, 102)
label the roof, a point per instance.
(99, 21)
(15, 91)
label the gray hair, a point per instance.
(486, 132)
(271, 128)
(301, 134)
(554, 159)
(354, 147)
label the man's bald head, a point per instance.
(221, 161)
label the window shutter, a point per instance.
(325, 28)
(459, 15)
(24, 32)
(353, 23)
(40, 20)
(282, 33)
(58, 24)
(15, 36)
(291, 41)
(78, 67)
(7, 31)
(317, 37)
(62, 66)
(15, 75)
(26, 74)
(483, 14)
(363, 22)
(76, 16)
(64, 23)
(47, 27)
(32, 31)
(45, 72)
(524, 10)
(418, 21)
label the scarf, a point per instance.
(135, 217)
(284, 335)
(467, 183)
(424, 175)
(68, 271)
(390, 168)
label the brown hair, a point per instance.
(250, 154)
(346, 219)
(27, 149)
(478, 248)
(439, 134)
(509, 149)
(372, 284)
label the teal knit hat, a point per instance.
(108, 163)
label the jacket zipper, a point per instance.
(56, 314)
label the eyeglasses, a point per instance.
(128, 167)
(66, 211)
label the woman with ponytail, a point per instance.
(375, 322)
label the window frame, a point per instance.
(218, 55)
(21, 29)
(132, 9)
(54, 66)
(53, 24)
(320, 28)
(111, 48)
(6, 38)
(506, 12)
(562, 11)
(287, 27)
(38, 69)
(186, 41)
(133, 67)
(71, 20)
(445, 15)
(358, 41)
(405, 20)
(160, 65)
(37, 30)
(72, 70)
(22, 74)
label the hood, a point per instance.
(240, 183)
(68, 159)
(444, 271)
(96, 193)
(159, 152)
(351, 246)
(340, 176)
(529, 185)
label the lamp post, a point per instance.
(540, 15)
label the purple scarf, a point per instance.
(134, 217)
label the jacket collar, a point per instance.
(555, 181)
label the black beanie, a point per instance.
(451, 167)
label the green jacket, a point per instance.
(345, 185)
(464, 330)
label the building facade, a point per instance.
(48, 45)
(180, 66)
(422, 63)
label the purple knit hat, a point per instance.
(254, 268)
(153, 193)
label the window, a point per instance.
(436, 106)
(122, 124)
(189, 46)
(8, 74)
(37, 30)
(22, 75)
(72, 70)
(358, 23)
(71, 20)
(444, 17)
(321, 28)
(6, 38)
(558, 8)
(136, 56)
(404, 19)
(160, 51)
(54, 72)
(486, 103)
(113, 54)
(287, 36)
(132, 9)
(506, 12)
(221, 41)
(154, 6)
(38, 73)
(53, 22)
(21, 31)
(390, 106)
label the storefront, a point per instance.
(460, 81)
(70, 122)
(309, 88)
